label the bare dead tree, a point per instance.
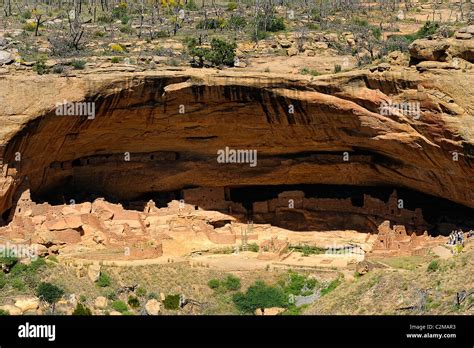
(76, 31)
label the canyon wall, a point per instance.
(161, 131)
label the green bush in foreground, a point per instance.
(133, 302)
(104, 280)
(120, 306)
(172, 302)
(81, 310)
(260, 296)
(50, 293)
(232, 283)
(433, 266)
(214, 283)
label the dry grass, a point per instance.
(386, 291)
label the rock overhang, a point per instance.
(292, 123)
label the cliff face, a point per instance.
(161, 131)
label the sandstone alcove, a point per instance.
(161, 136)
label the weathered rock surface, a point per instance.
(27, 303)
(5, 57)
(443, 50)
(140, 114)
(100, 302)
(153, 307)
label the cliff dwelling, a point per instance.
(156, 140)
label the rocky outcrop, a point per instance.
(461, 46)
(162, 130)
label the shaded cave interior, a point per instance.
(440, 215)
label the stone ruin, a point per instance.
(292, 210)
(273, 249)
(103, 230)
(394, 240)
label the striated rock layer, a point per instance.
(161, 131)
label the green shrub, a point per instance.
(126, 29)
(331, 286)
(259, 295)
(40, 66)
(191, 6)
(18, 284)
(172, 302)
(3, 280)
(221, 53)
(337, 68)
(29, 26)
(153, 296)
(26, 14)
(105, 19)
(296, 282)
(81, 310)
(115, 60)
(429, 28)
(133, 301)
(125, 18)
(104, 280)
(36, 264)
(3, 312)
(214, 283)
(7, 259)
(120, 306)
(276, 24)
(83, 298)
(119, 11)
(49, 292)
(161, 34)
(433, 266)
(58, 69)
(253, 247)
(99, 33)
(236, 22)
(210, 23)
(78, 64)
(112, 296)
(141, 292)
(231, 6)
(232, 283)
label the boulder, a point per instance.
(273, 311)
(462, 49)
(292, 51)
(463, 36)
(64, 307)
(100, 302)
(270, 311)
(153, 307)
(5, 57)
(427, 65)
(425, 49)
(363, 267)
(27, 303)
(442, 50)
(285, 43)
(115, 313)
(12, 310)
(93, 272)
